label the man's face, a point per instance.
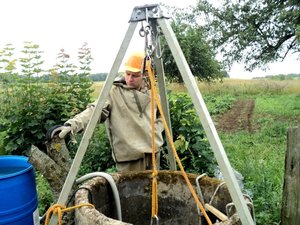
(134, 79)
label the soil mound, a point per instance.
(239, 117)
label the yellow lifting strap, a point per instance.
(60, 209)
(155, 99)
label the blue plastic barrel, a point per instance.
(18, 195)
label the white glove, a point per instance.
(61, 130)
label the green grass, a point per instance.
(282, 106)
(261, 163)
(260, 155)
(2, 150)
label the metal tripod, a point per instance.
(154, 15)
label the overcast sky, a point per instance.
(67, 24)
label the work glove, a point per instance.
(61, 130)
(104, 115)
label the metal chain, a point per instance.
(151, 45)
(145, 32)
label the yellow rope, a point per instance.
(154, 167)
(168, 133)
(60, 209)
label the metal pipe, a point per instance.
(113, 186)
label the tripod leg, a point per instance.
(207, 123)
(93, 121)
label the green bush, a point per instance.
(98, 156)
(218, 104)
(2, 147)
(44, 193)
(189, 137)
(29, 107)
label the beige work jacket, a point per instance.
(129, 115)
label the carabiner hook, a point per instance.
(156, 218)
(142, 32)
(159, 56)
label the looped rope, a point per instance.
(60, 209)
(155, 99)
(154, 167)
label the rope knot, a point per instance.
(59, 209)
(154, 173)
(56, 208)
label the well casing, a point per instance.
(176, 206)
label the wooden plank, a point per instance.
(216, 212)
(290, 213)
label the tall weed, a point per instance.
(237, 87)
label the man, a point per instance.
(128, 110)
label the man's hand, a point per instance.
(61, 130)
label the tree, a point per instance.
(31, 61)
(7, 63)
(8, 74)
(24, 111)
(198, 53)
(84, 82)
(254, 33)
(74, 80)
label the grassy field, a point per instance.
(234, 87)
(258, 155)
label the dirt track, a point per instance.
(239, 117)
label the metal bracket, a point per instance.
(145, 12)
